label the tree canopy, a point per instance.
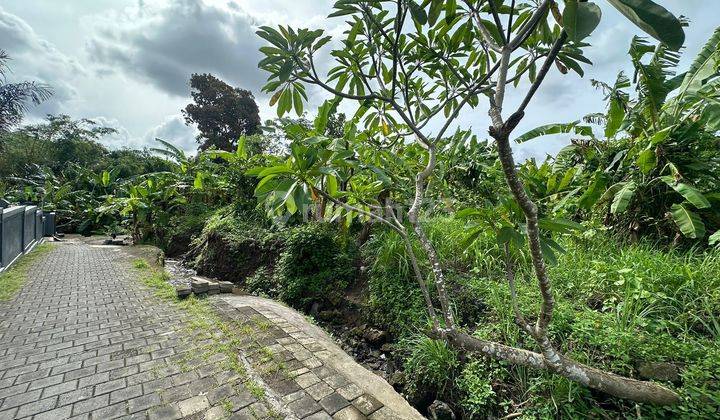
(221, 112)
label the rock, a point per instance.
(359, 331)
(375, 336)
(213, 288)
(659, 371)
(199, 285)
(183, 291)
(226, 287)
(333, 316)
(397, 379)
(440, 411)
(114, 242)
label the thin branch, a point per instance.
(484, 33)
(510, 276)
(496, 17)
(552, 55)
(399, 22)
(358, 210)
(510, 20)
(528, 27)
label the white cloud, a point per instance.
(36, 59)
(173, 130)
(165, 44)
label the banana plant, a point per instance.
(659, 144)
(144, 204)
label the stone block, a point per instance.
(183, 291)
(226, 287)
(199, 285)
(349, 413)
(334, 403)
(213, 288)
(193, 405)
(367, 404)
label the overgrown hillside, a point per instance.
(585, 285)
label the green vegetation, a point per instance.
(226, 337)
(586, 285)
(313, 266)
(13, 279)
(644, 305)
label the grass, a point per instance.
(617, 306)
(12, 280)
(226, 337)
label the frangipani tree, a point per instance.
(412, 67)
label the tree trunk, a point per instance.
(615, 385)
(551, 359)
(364, 234)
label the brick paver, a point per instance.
(84, 339)
(292, 366)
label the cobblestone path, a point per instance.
(85, 339)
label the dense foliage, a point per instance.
(343, 219)
(221, 112)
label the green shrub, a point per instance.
(315, 266)
(475, 382)
(394, 299)
(617, 306)
(431, 363)
(262, 283)
(234, 244)
(184, 227)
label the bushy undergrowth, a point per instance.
(186, 226)
(234, 244)
(618, 307)
(316, 265)
(300, 265)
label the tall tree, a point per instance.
(222, 113)
(406, 65)
(15, 97)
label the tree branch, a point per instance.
(528, 27)
(618, 386)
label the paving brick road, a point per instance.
(83, 339)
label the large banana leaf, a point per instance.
(691, 194)
(687, 221)
(557, 128)
(653, 19)
(593, 193)
(705, 65)
(714, 238)
(622, 198)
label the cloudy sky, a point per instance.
(127, 63)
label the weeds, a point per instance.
(227, 338)
(12, 280)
